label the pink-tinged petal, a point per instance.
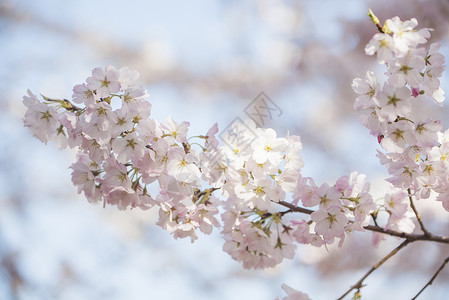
(98, 73)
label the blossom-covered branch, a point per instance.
(128, 159)
(375, 228)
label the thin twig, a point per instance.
(433, 277)
(359, 284)
(374, 217)
(418, 216)
(375, 228)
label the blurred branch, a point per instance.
(237, 81)
(14, 277)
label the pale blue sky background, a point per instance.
(66, 248)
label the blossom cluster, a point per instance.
(128, 159)
(416, 150)
(124, 155)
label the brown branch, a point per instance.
(433, 277)
(375, 228)
(409, 238)
(418, 216)
(359, 284)
(295, 208)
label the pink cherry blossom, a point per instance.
(42, 120)
(128, 147)
(268, 147)
(82, 94)
(181, 165)
(367, 89)
(330, 222)
(397, 203)
(394, 102)
(104, 81)
(383, 45)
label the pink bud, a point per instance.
(380, 138)
(415, 92)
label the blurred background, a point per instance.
(203, 62)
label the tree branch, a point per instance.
(359, 284)
(421, 224)
(409, 236)
(433, 277)
(295, 208)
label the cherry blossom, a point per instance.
(40, 118)
(104, 81)
(251, 186)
